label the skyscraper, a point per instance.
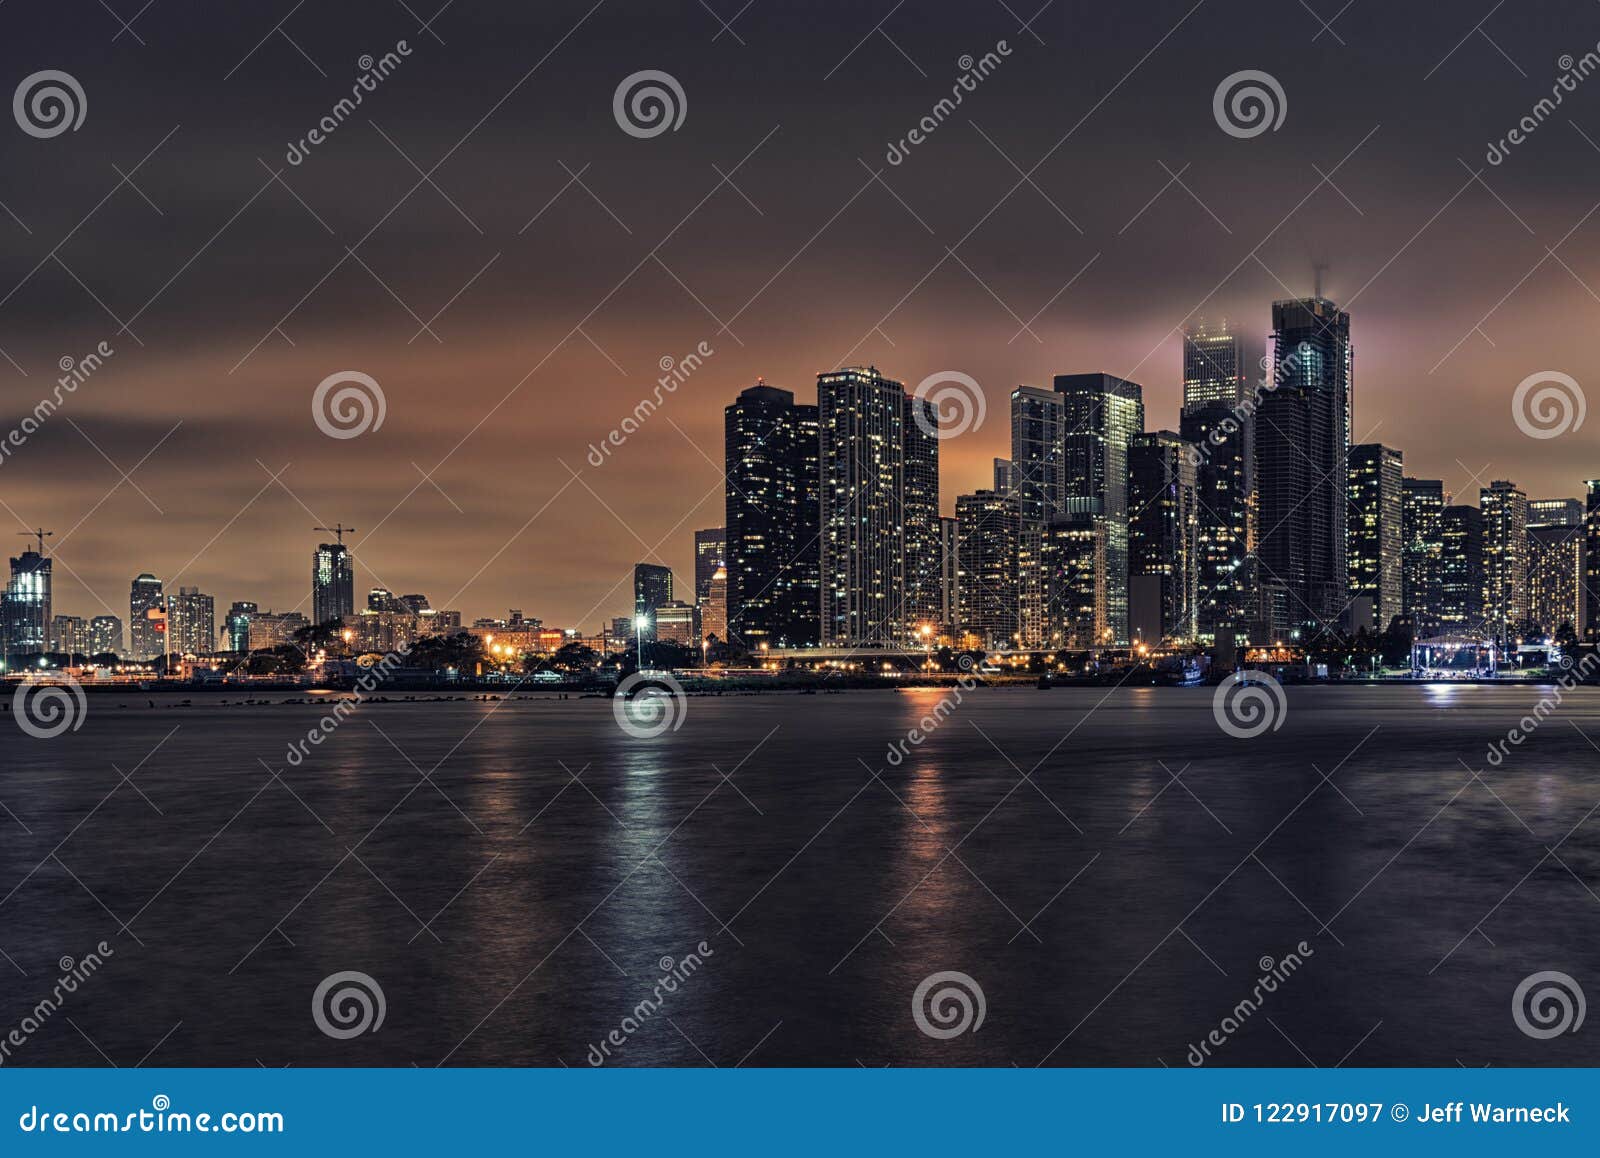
(1557, 596)
(988, 559)
(1038, 434)
(105, 635)
(1461, 571)
(1074, 558)
(1213, 367)
(1163, 543)
(1422, 508)
(147, 618)
(714, 615)
(949, 574)
(333, 583)
(710, 550)
(1591, 562)
(25, 608)
(771, 552)
(237, 624)
(1505, 559)
(1101, 415)
(921, 512)
(191, 622)
(652, 587)
(69, 634)
(1555, 513)
(1302, 434)
(1374, 524)
(861, 419)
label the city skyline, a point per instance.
(807, 274)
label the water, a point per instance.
(515, 907)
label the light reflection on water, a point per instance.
(513, 913)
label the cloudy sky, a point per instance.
(485, 241)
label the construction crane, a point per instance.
(337, 531)
(40, 534)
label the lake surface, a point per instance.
(513, 874)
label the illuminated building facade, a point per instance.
(1375, 528)
(1163, 539)
(1421, 553)
(333, 582)
(990, 527)
(147, 618)
(1505, 558)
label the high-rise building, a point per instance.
(920, 504)
(105, 635)
(988, 566)
(416, 604)
(147, 618)
(1461, 571)
(25, 608)
(1221, 429)
(714, 615)
(862, 450)
(236, 626)
(1375, 526)
(1214, 369)
(1591, 562)
(1101, 415)
(1505, 558)
(382, 599)
(1421, 548)
(1038, 441)
(1004, 474)
(1074, 557)
(333, 583)
(1555, 513)
(772, 549)
(1163, 539)
(69, 634)
(1557, 597)
(191, 622)
(949, 574)
(675, 622)
(1302, 433)
(652, 588)
(710, 552)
